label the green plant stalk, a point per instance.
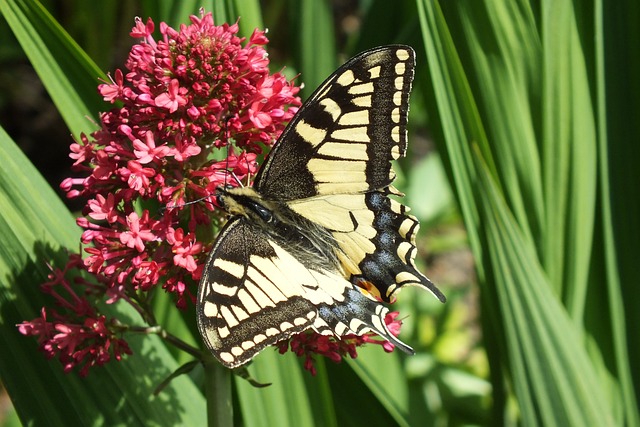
(218, 393)
(611, 256)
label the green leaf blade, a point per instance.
(67, 73)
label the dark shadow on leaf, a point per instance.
(117, 393)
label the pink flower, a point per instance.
(172, 99)
(137, 176)
(183, 151)
(142, 30)
(82, 152)
(148, 274)
(259, 118)
(147, 151)
(38, 326)
(113, 91)
(179, 288)
(105, 166)
(184, 249)
(258, 37)
(74, 333)
(137, 235)
(103, 208)
(309, 343)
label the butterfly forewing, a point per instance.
(245, 302)
(255, 292)
(344, 137)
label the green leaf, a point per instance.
(568, 153)
(519, 145)
(389, 385)
(617, 233)
(316, 48)
(359, 397)
(229, 11)
(67, 73)
(545, 349)
(176, 12)
(36, 227)
(285, 402)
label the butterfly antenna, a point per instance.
(246, 159)
(228, 143)
(227, 138)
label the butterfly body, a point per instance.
(311, 243)
(317, 243)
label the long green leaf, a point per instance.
(36, 227)
(618, 102)
(359, 400)
(316, 47)
(230, 10)
(528, 331)
(568, 152)
(68, 74)
(545, 348)
(285, 402)
(500, 39)
(389, 385)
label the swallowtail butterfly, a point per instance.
(317, 243)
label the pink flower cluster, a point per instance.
(182, 101)
(80, 336)
(183, 96)
(309, 343)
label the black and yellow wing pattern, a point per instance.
(317, 243)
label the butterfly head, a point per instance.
(221, 195)
(244, 201)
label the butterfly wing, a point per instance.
(342, 140)
(331, 168)
(255, 292)
(332, 165)
(375, 239)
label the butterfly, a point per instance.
(317, 243)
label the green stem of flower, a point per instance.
(218, 393)
(172, 339)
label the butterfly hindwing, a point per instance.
(344, 137)
(375, 238)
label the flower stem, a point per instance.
(170, 338)
(218, 393)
